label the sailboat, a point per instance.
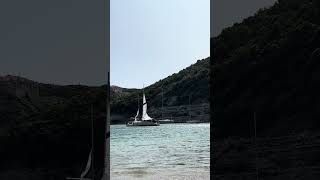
(145, 120)
(164, 120)
(97, 167)
(94, 169)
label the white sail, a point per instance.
(145, 116)
(135, 118)
(85, 172)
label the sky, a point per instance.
(54, 41)
(152, 39)
(63, 41)
(224, 13)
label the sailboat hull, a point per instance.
(143, 123)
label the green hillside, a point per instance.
(192, 81)
(268, 64)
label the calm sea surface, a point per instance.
(168, 151)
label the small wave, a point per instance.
(180, 164)
(137, 173)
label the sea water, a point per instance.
(168, 151)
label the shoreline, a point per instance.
(171, 123)
(283, 157)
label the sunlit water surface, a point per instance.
(168, 151)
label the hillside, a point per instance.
(47, 126)
(192, 81)
(268, 64)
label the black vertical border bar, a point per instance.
(211, 74)
(108, 68)
(101, 140)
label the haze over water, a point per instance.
(168, 151)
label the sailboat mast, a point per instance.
(92, 140)
(136, 117)
(189, 108)
(255, 144)
(162, 103)
(143, 96)
(143, 89)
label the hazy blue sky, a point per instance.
(152, 39)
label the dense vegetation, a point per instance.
(268, 64)
(52, 132)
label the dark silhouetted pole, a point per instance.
(255, 144)
(162, 103)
